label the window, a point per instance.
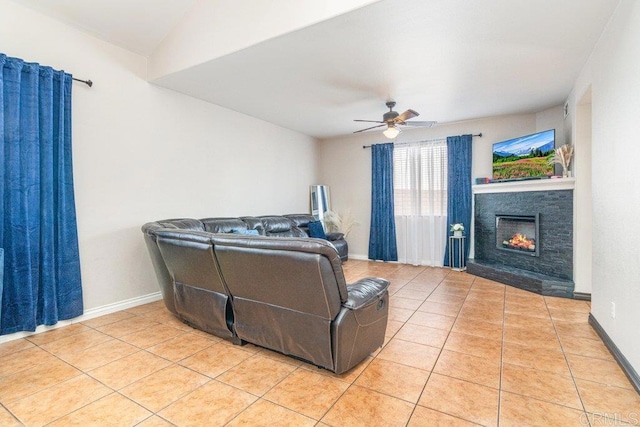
(420, 202)
(420, 179)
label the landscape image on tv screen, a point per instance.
(524, 157)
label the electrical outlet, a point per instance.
(613, 310)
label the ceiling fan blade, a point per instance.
(419, 124)
(372, 127)
(409, 114)
(369, 121)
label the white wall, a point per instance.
(583, 195)
(346, 167)
(612, 73)
(143, 153)
(553, 118)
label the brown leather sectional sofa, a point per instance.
(287, 294)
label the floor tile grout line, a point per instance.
(61, 382)
(171, 363)
(336, 401)
(537, 399)
(358, 376)
(375, 357)
(458, 315)
(404, 323)
(153, 412)
(81, 372)
(551, 372)
(504, 330)
(14, 416)
(441, 348)
(210, 380)
(566, 359)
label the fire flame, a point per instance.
(520, 241)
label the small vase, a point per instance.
(457, 233)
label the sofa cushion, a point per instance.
(301, 220)
(317, 230)
(247, 232)
(223, 225)
(281, 226)
(253, 223)
(276, 224)
(182, 224)
(335, 236)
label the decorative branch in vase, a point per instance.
(562, 156)
(335, 222)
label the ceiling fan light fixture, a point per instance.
(393, 121)
(391, 132)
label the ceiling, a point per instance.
(450, 60)
(136, 25)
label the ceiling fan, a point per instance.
(392, 120)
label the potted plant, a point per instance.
(457, 229)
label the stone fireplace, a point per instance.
(523, 235)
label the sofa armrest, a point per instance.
(335, 236)
(364, 292)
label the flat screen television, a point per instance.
(524, 157)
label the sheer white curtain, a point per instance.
(420, 198)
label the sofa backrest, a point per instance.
(285, 292)
(302, 221)
(224, 225)
(164, 277)
(294, 225)
(280, 226)
(182, 224)
(201, 297)
(254, 223)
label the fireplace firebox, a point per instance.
(518, 234)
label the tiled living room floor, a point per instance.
(459, 350)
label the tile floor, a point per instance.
(460, 350)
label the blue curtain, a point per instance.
(459, 188)
(38, 231)
(1, 276)
(382, 235)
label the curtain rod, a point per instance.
(418, 142)
(87, 82)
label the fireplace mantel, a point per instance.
(529, 185)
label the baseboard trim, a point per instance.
(358, 257)
(628, 370)
(88, 314)
(583, 296)
(365, 258)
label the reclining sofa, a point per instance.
(286, 294)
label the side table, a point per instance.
(456, 253)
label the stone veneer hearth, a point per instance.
(550, 273)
